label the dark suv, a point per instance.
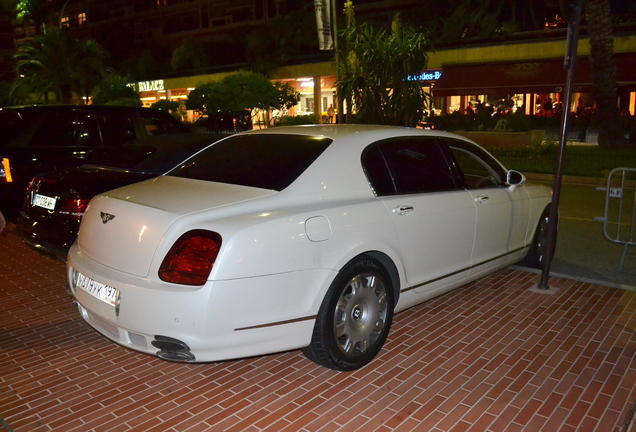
(36, 139)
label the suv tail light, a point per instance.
(5, 170)
(191, 258)
(73, 207)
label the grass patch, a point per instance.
(586, 161)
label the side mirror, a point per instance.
(515, 178)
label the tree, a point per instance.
(53, 62)
(114, 90)
(241, 93)
(206, 97)
(284, 96)
(599, 25)
(89, 67)
(375, 73)
(36, 12)
(166, 105)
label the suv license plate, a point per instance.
(43, 201)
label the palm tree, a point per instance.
(89, 67)
(599, 26)
(374, 73)
(35, 12)
(53, 62)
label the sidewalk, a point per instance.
(489, 356)
(582, 251)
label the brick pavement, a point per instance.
(490, 356)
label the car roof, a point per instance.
(331, 175)
(356, 132)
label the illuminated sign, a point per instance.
(427, 75)
(150, 85)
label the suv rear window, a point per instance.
(67, 128)
(13, 123)
(267, 161)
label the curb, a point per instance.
(577, 278)
(579, 180)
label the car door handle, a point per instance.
(480, 199)
(403, 209)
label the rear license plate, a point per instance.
(100, 291)
(43, 201)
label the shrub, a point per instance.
(296, 120)
(166, 105)
(114, 90)
(518, 122)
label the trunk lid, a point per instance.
(123, 228)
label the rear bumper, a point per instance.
(53, 233)
(217, 321)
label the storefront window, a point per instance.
(454, 104)
(547, 104)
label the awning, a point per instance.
(545, 76)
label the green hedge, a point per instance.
(587, 161)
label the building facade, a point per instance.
(529, 74)
(525, 70)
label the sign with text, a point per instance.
(150, 85)
(427, 75)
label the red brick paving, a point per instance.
(490, 356)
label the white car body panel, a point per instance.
(281, 251)
(450, 221)
(139, 228)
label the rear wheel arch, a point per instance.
(389, 266)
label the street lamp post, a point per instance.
(334, 27)
(570, 65)
(62, 12)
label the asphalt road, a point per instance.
(582, 250)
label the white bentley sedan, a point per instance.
(298, 237)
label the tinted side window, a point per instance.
(417, 165)
(118, 127)
(268, 161)
(377, 171)
(68, 128)
(477, 168)
(159, 123)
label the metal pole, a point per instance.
(62, 13)
(334, 26)
(570, 65)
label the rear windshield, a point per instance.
(14, 123)
(267, 161)
(171, 153)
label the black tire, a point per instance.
(537, 254)
(354, 318)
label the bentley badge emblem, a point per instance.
(106, 217)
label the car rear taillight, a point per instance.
(190, 260)
(73, 207)
(31, 184)
(5, 171)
